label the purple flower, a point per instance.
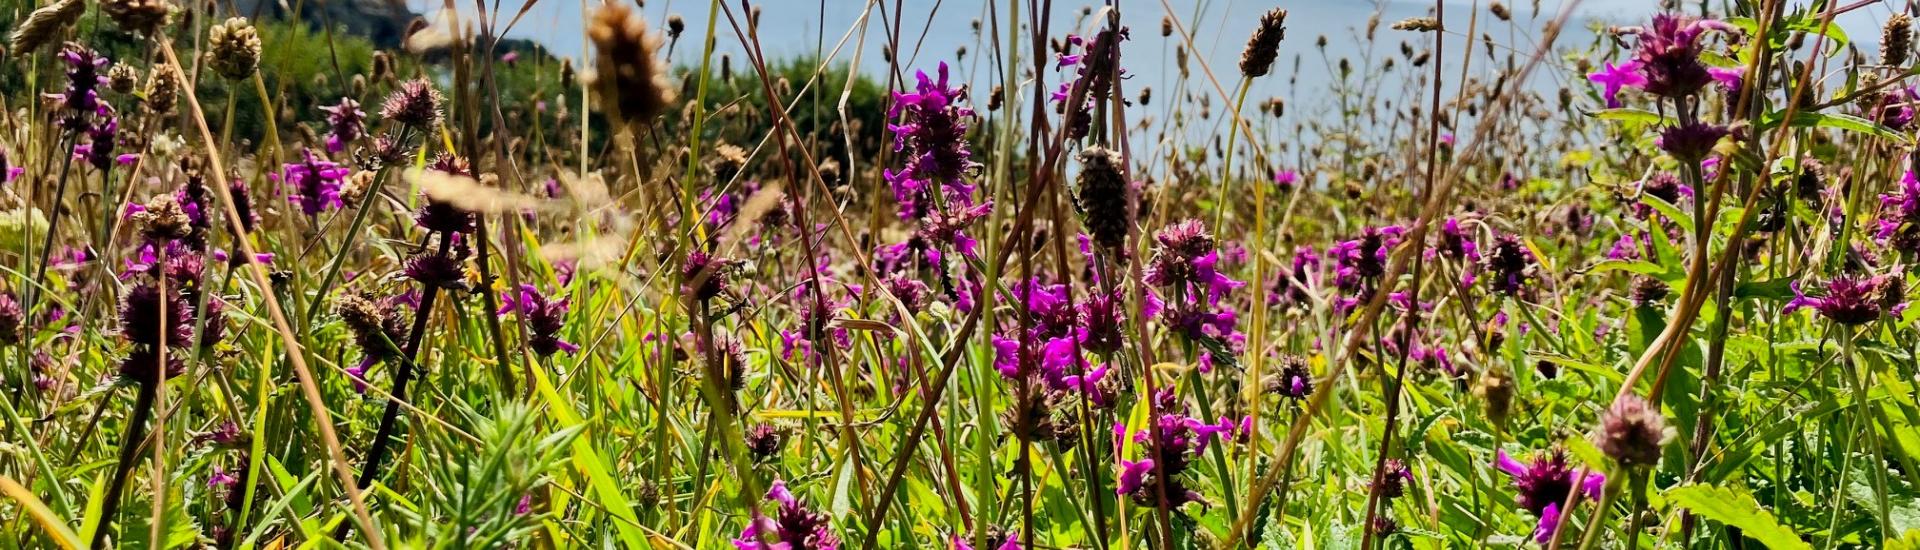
(1691, 142)
(313, 183)
(1669, 53)
(1456, 243)
(1852, 300)
(1510, 263)
(793, 527)
(345, 123)
(98, 150)
(932, 133)
(1615, 77)
(1545, 483)
(1170, 446)
(1286, 180)
(544, 319)
(86, 73)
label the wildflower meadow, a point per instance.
(993, 274)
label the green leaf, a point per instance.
(1631, 115)
(1848, 123)
(1736, 507)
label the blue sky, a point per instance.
(1219, 27)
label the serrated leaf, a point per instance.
(1737, 508)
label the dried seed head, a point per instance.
(1102, 198)
(40, 27)
(675, 26)
(382, 66)
(123, 78)
(1146, 95)
(1500, 10)
(567, 74)
(830, 173)
(233, 49)
(163, 87)
(162, 219)
(1264, 45)
(1496, 390)
(727, 162)
(1166, 25)
(1648, 291)
(632, 82)
(141, 17)
(1417, 24)
(377, 328)
(1896, 40)
(1631, 432)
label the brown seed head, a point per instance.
(40, 26)
(1896, 40)
(1264, 45)
(1417, 24)
(631, 80)
(141, 17)
(233, 49)
(163, 87)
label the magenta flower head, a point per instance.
(313, 183)
(544, 318)
(1899, 224)
(86, 73)
(436, 270)
(13, 319)
(345, 123)
(100, 136)
(1852, 300)
(1456, 243)
(932, 134)
(1616, 77)
(1169, 454)
(1669, 53)
(1510, 263)
(443, 216)
(1393, 480)
(1544, 484)
(1691, 142)
(793, 527)
(1295, 380)
(148, 318)
(1286, 180)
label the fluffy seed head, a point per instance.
(1264, 45)
(631, 81)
